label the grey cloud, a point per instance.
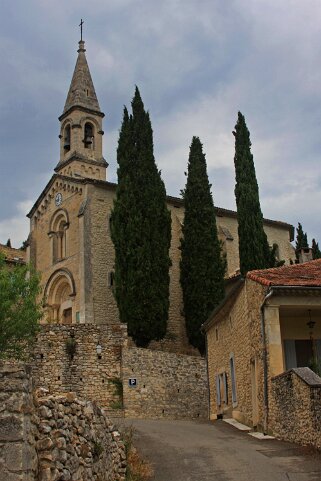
(196, 63)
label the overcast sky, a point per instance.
(196, 64)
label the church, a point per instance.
(70, 242)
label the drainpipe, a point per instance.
(265, 366)
(207, 375)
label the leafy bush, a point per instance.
(20, 310)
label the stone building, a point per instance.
(70, 241)
(12, 256)
(260, 341)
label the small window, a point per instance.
(226, 233)
(109, 222)
(216, 334)
(111, 279)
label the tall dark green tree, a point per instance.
(316, 253)
(202, 267)
(253, 245)
(141, 231)
(301, 238)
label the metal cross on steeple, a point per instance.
(80, 25)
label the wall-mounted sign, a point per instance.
(132, 382)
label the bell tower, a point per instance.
(81, 126)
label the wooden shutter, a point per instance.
(225, 387)
(232, 367)
(218, 390)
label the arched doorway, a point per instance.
(60, 294)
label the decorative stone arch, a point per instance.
(65, 122)
(60, 292)
(58, 234)
(92, 120)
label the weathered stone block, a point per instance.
(11, 428)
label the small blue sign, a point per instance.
(132, 382)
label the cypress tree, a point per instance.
(141, 231)
(254, 249)
(120, 215)
(202, 268)
(316, 250)
(301, 238)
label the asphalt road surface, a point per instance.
(203, 451)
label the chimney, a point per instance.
(304, 254)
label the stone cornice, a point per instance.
(76, 156)
(82, 109)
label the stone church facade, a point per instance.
(70, 242)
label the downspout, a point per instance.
(265, 366)
(207, 375)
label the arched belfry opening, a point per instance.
(89, 136)
(67, 138)
(59, 297)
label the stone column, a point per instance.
(273, 340)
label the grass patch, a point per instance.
(116, 405)
(137, 468)
(97, 450)
(118, 391)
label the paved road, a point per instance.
(196, 451)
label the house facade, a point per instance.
(269, 324)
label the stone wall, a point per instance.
(76, 441)
(179, 380)
(18, 459)
(295, 408)
(54, 437)
(168, 385)
(89, 376)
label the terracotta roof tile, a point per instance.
(307, 274)
(13, 255)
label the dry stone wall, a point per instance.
(76, 441)
(295, 411)
(47, 437)
(168, 385)
(18, 458)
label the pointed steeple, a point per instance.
(81, 133)
(81, 91)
